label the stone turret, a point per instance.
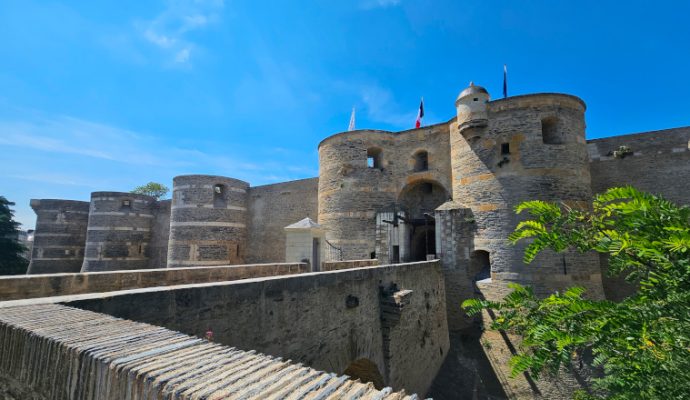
(471, 106)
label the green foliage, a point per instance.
(152, 189)
(12, 261)
(643, 342)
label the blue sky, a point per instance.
(109, 95)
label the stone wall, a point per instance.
(392, 316)
(659, 164)
(56, 352)
(160, 234)
(13, 287)
(336, 265)
(272, 208)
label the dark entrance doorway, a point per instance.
(423, 240)
(419, 200)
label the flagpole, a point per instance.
(505, 81)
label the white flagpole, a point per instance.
(351, 127)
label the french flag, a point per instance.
(420, 115)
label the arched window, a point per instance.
(550, 133)
(421, 161)
(374, 158)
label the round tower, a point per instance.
(59, 237)
(355, 181)
(208, 222)
(511, 150)
(119, 232)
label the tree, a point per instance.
(12, 260)
(152, 189)
(641, 343)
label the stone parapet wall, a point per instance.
(326, 320)
(336, 265)
(26, 287)
(56, 352)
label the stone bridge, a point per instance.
(385, 325)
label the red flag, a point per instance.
(420, 115)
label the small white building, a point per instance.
(305, 241)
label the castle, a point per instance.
(445, 191)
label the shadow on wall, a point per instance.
(366, 371)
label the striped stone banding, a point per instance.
(115, 259)
(118, 199)
(61, 211)
(124, 214)
(230, 188)
(210, 223)
(211, 206)
(207, 262)
(117, 228)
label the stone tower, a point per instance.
(507, 151)
(60, 236)
(208, 222)
(504, 152)
(119, 232)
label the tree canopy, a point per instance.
(12, 260)
(643, 342)
(152, 189)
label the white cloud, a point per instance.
(169, 30)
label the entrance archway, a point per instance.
(419, 200)
(366, 371)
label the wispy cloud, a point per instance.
(380, 106)
(97, 142)
(169, 31)
(369, 4)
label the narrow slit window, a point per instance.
(505, 148)
(374, 158)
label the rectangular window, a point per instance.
(505, 148)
